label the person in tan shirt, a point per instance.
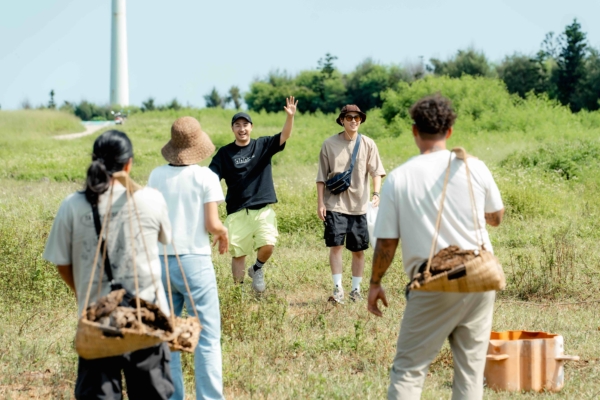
(344, 214)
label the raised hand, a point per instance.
(290, 106)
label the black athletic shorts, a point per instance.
(351, 228)
(147, 373)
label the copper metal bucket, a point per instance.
(526, 361)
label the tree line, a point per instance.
(566, 68)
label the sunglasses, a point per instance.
(349, 118)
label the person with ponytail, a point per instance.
(72, 245)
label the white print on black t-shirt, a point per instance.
(242, 160)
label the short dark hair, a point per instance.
(433, 114)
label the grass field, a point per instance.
(291, 343)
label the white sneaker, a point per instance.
(338, 295)
(258, 279)
(355, 295)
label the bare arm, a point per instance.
(495, 218)
(376, 189)
(213, 224)
(385, 249)
(66, 273)
(321, 210)
(290, 109)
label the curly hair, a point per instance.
(433, 114)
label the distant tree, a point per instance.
(368, 80)
(269, 93)
(51, 103)
(326, 65)
(148, 105)
(67, 107)
(25, 104)
(570, 70)
(173, 105)
(549, 47)
(214, 99)
(235, 96)
(588, 95)
(466, 62)
(87, 111)
(523, 74)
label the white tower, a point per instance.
(119, 76)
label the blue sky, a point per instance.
(182, 48)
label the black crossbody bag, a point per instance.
(341, 182)
(107, 268)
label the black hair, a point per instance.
(433, 115)
(112, 150)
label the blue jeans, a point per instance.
(200, 275)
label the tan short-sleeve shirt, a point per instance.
(335, 157)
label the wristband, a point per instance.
(376, 194)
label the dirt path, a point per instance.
(89, 129)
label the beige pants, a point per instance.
(431, 317)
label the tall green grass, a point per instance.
(290, 343)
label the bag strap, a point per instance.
(98, 226)
(355, 152)
(462, 155)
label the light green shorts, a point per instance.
(250, 230)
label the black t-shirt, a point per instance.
(247, 172)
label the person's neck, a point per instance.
(432, 146)
(350, 135)
(239, 144)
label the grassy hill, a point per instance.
(290, 342)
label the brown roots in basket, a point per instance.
(449, 258)
(111, 311)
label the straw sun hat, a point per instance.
(188, 144)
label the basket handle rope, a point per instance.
(137, 214)
(462, 155)
(95, 263)
(135, 275)
(169, 284)
(187, 287)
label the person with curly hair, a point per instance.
(410, 202)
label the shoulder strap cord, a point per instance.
(98, 226)
(355, 152)
(460, 154)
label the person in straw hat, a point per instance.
(410, 201)
(245, 164)
(344, 214)
(193, 193)
(72, 245)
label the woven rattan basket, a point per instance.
(480, 274)
(94, 340)
(174, 346)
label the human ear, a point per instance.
(128, 165)
(415, 131)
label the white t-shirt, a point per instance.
(186, 190)
(410, 201)
(73, 241)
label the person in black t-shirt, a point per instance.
(245, 165)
